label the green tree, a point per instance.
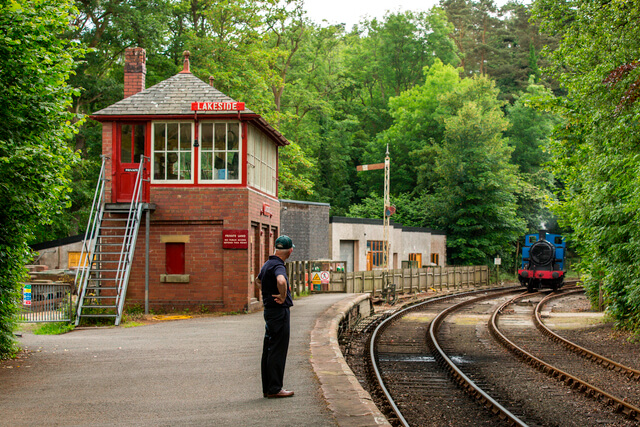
(476, 186)
(595, 151)
(529, 135)
(35, 64)
(418, 126)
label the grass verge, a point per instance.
(55, 328)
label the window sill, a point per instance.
(174, 278)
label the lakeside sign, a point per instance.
(217, 106)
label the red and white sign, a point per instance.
(235, 239)
(266, 210)
(217, 106)
(324, 277)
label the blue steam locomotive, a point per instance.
(543, 257)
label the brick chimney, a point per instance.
(135, 70)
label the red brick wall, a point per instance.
(219, 279)
(135, 70)
(107, 152)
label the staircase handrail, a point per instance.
(91, 233)
(129, 240)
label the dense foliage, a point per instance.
(597, 148)
(342, 95)
(36, 128)
(449, 90)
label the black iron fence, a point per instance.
(46, 302)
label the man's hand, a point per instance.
(282, 287)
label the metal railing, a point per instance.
(46, 302)
(129, 241)
(90, 237)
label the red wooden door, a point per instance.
(131, 141)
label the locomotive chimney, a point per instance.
(135, 70)
(542, 234)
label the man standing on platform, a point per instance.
(276, 297)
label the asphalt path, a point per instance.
(194, 372)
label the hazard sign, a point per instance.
(315, 279)
(324, 277)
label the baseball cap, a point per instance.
(284, 242)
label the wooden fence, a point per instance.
(407, 280)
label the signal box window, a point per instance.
(172, 159)
(435, 259)
(220, 151)
(262, 159)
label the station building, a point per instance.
(358, 241)
(211, 189)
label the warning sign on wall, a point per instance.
(315, 278)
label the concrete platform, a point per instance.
(194, 372)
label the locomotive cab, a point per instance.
(542, 261)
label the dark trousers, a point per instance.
(274, 348)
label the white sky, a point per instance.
(350, 12)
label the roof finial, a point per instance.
(185, 67)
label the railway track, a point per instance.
(575, 366)
(435, 363)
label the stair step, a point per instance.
(104, 270)
(100, 296)
(113, 228)
(99, 306)
(97, 315)
(107, 253)
(105, 288)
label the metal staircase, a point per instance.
(107, 252)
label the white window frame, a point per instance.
(201, 151)
(153, 152)
(262, 157)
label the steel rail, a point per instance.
(465, 382)
(586, 353)
(386, 322)
(629, 410)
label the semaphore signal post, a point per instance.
(388, 209)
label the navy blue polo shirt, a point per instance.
(268, 276)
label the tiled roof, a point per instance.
(174, 97)
(171, 97)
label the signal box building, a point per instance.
(210, 189)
